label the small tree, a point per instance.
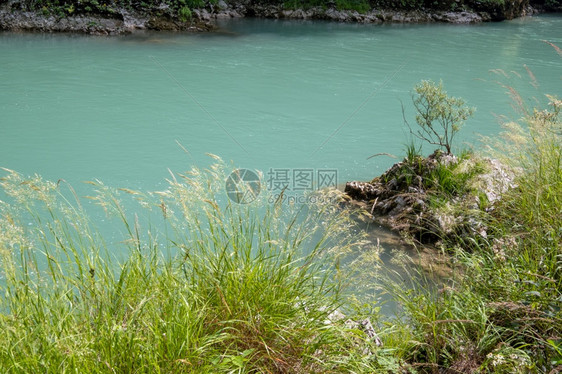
(439, 116)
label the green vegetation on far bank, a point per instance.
(181, 9)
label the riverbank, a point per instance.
(190, 298)
(112, 19)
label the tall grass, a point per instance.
(244, 289)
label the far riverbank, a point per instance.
(120, 17)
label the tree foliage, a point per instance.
(439, 116)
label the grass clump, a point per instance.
(209, 287)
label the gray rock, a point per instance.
(124, 22)
(400, 202)
(364, 325)
(133, 21)
(402, 205)
(457, 17)
(222, 5)
(19, 20)
(202, 14)
(336, 15)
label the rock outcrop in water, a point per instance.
(434, 198)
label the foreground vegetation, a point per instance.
(214, 288)
(501, 309)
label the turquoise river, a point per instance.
(268, 95)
